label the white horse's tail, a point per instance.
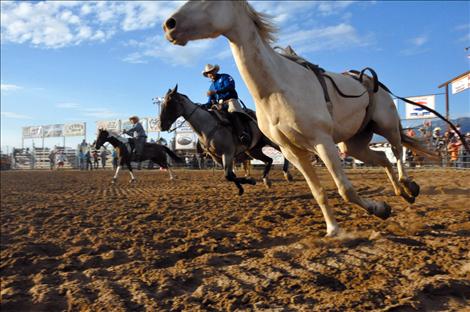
(417, 145)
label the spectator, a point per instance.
(465, 154)
(103, 156)
(96, 159)
(410, 132)
(453, 148)
(81, 160)
(114, 159)
(60, 159)
(88, 161)
(52, 158)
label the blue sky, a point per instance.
(87, 61)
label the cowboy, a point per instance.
(139, 135)
(222, 94)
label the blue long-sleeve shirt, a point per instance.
(137, 131)
(224, 86)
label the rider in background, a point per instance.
(223, 95)
(139, 135)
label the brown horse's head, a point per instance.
(101, 138)
(171, 108)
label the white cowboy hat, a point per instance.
(134, 117)
(210, 68)
(437, 129)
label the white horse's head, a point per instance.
(210, 19)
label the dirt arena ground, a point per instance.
(71, 241)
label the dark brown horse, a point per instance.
(157, 153)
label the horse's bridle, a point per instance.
(187, 119)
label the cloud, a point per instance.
(9, 87)
(416, 45)
(67, 105)
(99, 113)
(57, 24)
(334, 37)
(157, 47)
(13, 115)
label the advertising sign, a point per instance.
(185, 140)
(74, 129)
(278, 158)
(416, 112)
(153, 125)
(461, 84)
(51, 131)
(111, 125)
(32, 132)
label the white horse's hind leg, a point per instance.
(330, 156)
(132, 176)
(358, 147)
(301, 160)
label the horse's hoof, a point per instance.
(411, 187)
(267, 183)
(332, 232)
(409, 199)
(113, 181)
(288, 177)
(382, 211)
(241, 191)
(132, 181)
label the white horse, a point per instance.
(291, 106)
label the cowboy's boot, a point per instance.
(243, 135)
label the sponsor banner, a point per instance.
(185, 140)
(416, 112)
(110, 125)
(51, 131)
(74, 129)
(32, 132)
(182, 125)
(461, 84)
(278, 158)
(153, 124)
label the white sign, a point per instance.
(461, 84)
(110, 125)
(182, 125)
(32, 132)
(153, 124)
(74, 129)
(416, 112)
(185, 140)
(277, 157)
(51, 131)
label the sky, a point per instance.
(78, 61)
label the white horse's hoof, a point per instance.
(332, 231)
(132, 180)
(113, 181)
(267, 183)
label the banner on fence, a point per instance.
(185, 137)
(32, 132)
(74, 129)
(51, 131)
(110, 125)
(277, 157)
(416, 112)
(153, 124)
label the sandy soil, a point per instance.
(71, 241)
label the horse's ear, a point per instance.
(175, 89)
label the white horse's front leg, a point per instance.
(301, 160)
(116, 174)
(132, 176)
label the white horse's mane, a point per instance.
(263, 23)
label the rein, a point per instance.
(187, 119)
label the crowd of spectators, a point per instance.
(447, 144)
